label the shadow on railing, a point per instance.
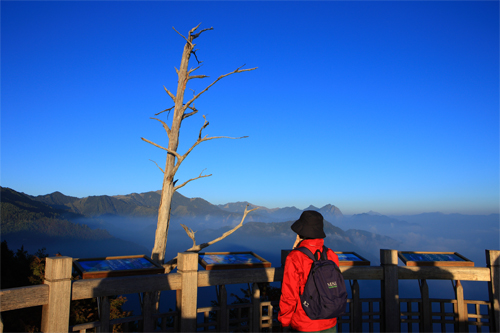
(387, 313)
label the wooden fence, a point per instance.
(388, 313)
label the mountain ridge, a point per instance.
(35, 225)
(194, 212)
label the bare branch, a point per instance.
(223, 137)
(205, 124)
(190, 180)
(169, 94)
(198, 248)
(158, 166)
(199, 33)
(237, 70)
(200, 140)
(194, 29)
(193, 69)
(190, 233)
(169, 109)
(197, 77)
(170, 265)
(168, 150)
(165, 126)
(181, 159)
(176, 70)
(196, 57)
(195, 111)
(189, 33)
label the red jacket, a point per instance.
(297, 267)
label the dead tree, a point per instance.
(174, 160)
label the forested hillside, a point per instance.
(34, 225)
(22, 214)
(196, 213)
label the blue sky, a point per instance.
(385, 106)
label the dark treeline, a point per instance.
(20, 269)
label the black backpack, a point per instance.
(325, 295)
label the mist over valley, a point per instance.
(132, 219)
(102, 226)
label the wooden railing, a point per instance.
(387, 313)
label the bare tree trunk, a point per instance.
(174, 159)
(161, 235)
(158, 253)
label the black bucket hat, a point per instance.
(309, 225)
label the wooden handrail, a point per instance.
(188, 279)
(91, 288)
(251, 275)
(23, 297)
(444, 273)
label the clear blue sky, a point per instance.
(385, 106)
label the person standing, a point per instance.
(310, 234)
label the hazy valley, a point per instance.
(125, 224)
(100, 226)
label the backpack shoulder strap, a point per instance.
(325, 257)
(306, 251)
(318, 255)
(324, 254)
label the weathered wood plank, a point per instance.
(104, 311)
(461, 307)
(251, 275)
(448, 273)
(362, 272)
(94, 324)
(425, 307)
(390, 290)
(356, 308)
(188, 268)
(55, 314)
(275, 274)
(125, 285)
(255, 321)
(224, 312)
(23, 297)
(493, 262)
(147, 312)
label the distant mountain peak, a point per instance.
(331, 208)
(237, 207)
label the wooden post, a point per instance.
(55, 314)
(493, 262)
(148, 304)
(356, 309)
(104, 310)
(188, 268)
(256, 320)
(390, 290)
(224, 313)
(425, 311)
(461, 307)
